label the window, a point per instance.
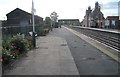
(113, 22)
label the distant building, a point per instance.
(20, 17)
(93, 18)
(112, 22)
(86, 17)
(0, 23)
(74, 22)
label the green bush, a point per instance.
(29, 41)
(46, 30)
(7, 57)
(41, 31)
(19, 43)
(13, 47)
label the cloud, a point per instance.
(110, 12)
(64, 8)
(110, 5)
(110, 8)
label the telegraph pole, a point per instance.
(33, 33)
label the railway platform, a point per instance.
(51, 57)
(101, 29)
(54, 56)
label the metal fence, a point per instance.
(13, 30)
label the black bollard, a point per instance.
(34, 40)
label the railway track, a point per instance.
(103, 37)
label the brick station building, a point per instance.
(112, 22)
(93, 17)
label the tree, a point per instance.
(54, 18)
(47, 22)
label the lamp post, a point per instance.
(33, 33)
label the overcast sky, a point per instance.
(66, 9)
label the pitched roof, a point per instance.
(112, 17)
(22, 11)
(18, 9)
(96, 13)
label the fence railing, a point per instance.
(13, 30)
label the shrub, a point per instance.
(18, 43)
(7, 57)
(41, 31)
(29, 42)
(13, 47)
(46, 30)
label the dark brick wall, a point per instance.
(116, 18)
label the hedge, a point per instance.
(13, 47)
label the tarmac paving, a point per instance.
(51, 57)
(104, 48)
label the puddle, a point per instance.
(43, 47)
(43, 42)
(75, 41)
(75, 47)
(63, 44)
(84, 45)
(89, 58)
